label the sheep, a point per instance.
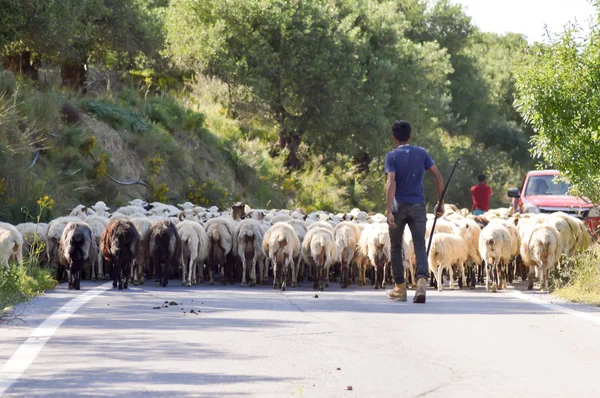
(98, 224)
(321, 224)
(378, 218)
(480, 220)
(81, 212)
(301, 229)
(130, 210)
(469, 230)
(409, 260)
(220, 233)
(319, 251)
(280, 218)
(119, 242)
(238, 211)
(495, 246)
(257, 215)
(163, 248)
(567, 237)
(374, 249)
(541, 248)
(579, 232)
(446, 250)
(77, 245)
(346, 236)
(248, 237)
(194, 241)
(281, 245)
(100, 209)
(32, 233)
(441, 225)
(11, 245)
(142, 226)
(53, 236)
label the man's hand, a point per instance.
(439, 210)
(391, 220)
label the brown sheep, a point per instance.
(118, 245)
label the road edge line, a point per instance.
(555, 307)
(28, 351)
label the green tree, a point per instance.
(329, 74)
(558, 93)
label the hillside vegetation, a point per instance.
(280, 104)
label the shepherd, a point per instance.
(405, 167)
(481, 194)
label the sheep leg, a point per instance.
(190, 272)
(261, 270)
(183, 270)
(274, 260)
(211, 274)
(543, 281)
(253, 269)
(294, 265)
(244, 269)
(126, 273)
(326, 276)
(495, 278)
(376, 277)
(284, 274)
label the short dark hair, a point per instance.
(401, 130)
(481, 177)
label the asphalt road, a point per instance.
(261, 342)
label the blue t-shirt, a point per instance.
(409, 163)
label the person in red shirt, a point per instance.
(481, 194)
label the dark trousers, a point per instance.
(415, 216)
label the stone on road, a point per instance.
(232, 341)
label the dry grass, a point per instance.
(581, 283)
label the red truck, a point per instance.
(541, 194)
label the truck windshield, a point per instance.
(545, 185)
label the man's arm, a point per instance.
(390, 191)
(439, 186)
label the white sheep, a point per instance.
(541, 249)
(220, 233)
(98, 225)
(248, 238)
(374, 248)
(446, 250)
(194, 243)
(142, 225)
(281, 245)
(347, 236)
(53, 236)
(319, 251)
(11, 245)
(321, 224)
(81, 212)
(469, 230)
(100, 209)
(32, 232)
(495, 245)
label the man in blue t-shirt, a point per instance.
(405, 167)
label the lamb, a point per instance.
(319, 251)
(446, 250)
(374, 248)
(163, 248)
(98, 224)
(32, 233)
(248, 237)
(347, 236)
(11, 245)
(100, 209)
(541, 248)
(119, 245)
(53, 236)
(495, 247)
(77, 245)
(220, 233)
(194, 241)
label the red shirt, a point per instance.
(481, 194)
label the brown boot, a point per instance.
(398, 293)
(420, 291)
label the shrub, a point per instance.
(580, 280)
(119, 118)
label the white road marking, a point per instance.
(29, 350)
(555, 307)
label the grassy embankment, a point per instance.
(580, 280)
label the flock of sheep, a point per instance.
(246, 245)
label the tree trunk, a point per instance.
(74, 75)
(22, 64)
(291, 141)
(362, 162)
